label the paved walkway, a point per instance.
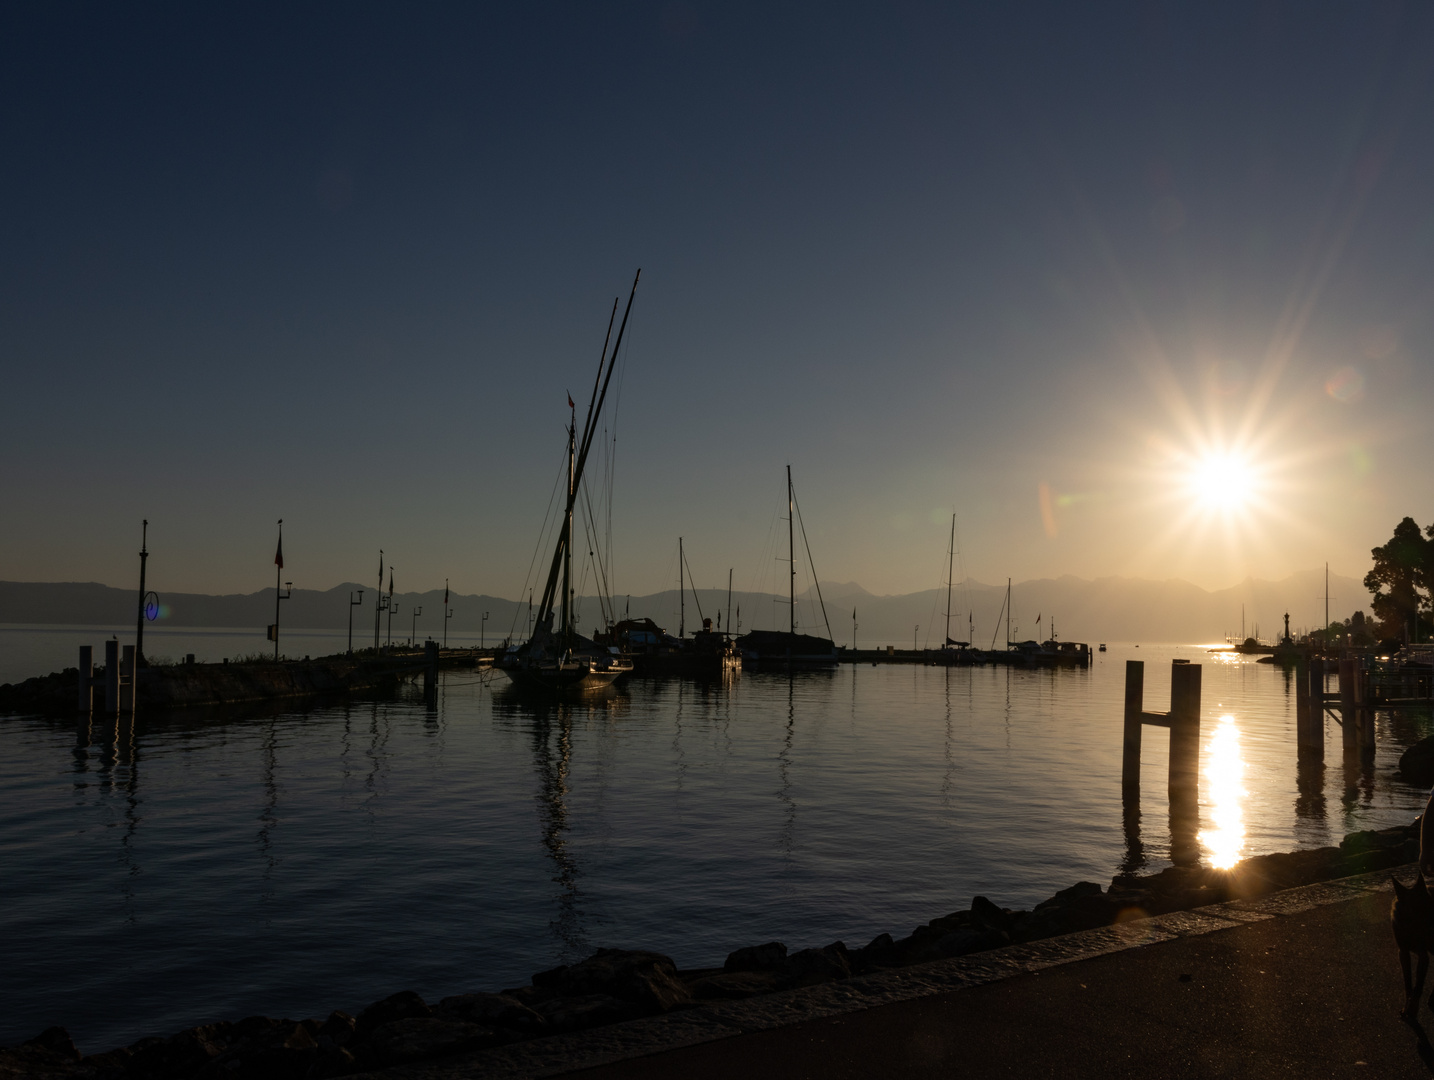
(1302, 984)
(1310, 995)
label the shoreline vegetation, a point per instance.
(615, 985)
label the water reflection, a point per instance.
(1224, 773)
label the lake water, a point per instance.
(181, 869)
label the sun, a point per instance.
(1223, 482)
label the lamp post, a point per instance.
(378, 600)
(447, 613)
(353, 604)
(279, 594)
(139, 630)
(483, 631)
(413, 627)
(391, 607)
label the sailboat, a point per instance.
(955, 652)
(706, 653)
(787, 648)
(559, 658)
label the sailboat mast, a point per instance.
(791, 561)
(1008, 614)
(681, 594)
(568, 534)
(729, 600)
(950, 566)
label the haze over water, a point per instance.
(191, 868)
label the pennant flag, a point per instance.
(380, 569)
(279, 554)
(445, 594)
(1038, 618)
(390, 582)
(570, 402)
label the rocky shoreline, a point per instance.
(614, 985)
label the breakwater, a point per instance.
(614, 985)
(191, 686)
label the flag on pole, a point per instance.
(1038, 618)
(279, 554)
(570, 402)
(380, 569)
(445, 594)
(390, 583)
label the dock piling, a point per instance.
(112, 677)
(86, 702)
(1309, 710)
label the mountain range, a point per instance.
(1104, 609)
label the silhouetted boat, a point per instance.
(562, 659)
(787, 648)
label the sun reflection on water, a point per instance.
(1224, 769)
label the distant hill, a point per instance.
(1105, 609)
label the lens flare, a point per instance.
(1224, 770)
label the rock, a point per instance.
(811, 966)
(646, 979)
(492, 1009)
(50, 1055)
(733, 985)
(333, 1061)
(264, 1049)
(590, 1010)
(879, 952)
(768, 957)
(338, 1030)
(1077, 891)
(180, 1055)
(404, 1005)
(1416, 765)
(419, 1038)
(988, 915)
(57, 1041)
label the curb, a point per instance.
(557, 1054)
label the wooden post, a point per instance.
(1134, 707)
(86, 702)
(1184, 728)
(1348, 693)
(1302, 701)
(128, 669)
(112, 677)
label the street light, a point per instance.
(413, 627)
(483, 630)
(353, 604)
(447, 613)
(279, 594)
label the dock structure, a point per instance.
(1365, 685)
(1183, 723)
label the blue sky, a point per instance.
(1057, 268)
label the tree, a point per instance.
(1402, 567)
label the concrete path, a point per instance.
(1315, 994)
(1303, 983)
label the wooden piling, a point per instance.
(1303, 709)
(1134, 708)
(86, 701)
(112, 677)
(1184, 728)
(129, 668)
